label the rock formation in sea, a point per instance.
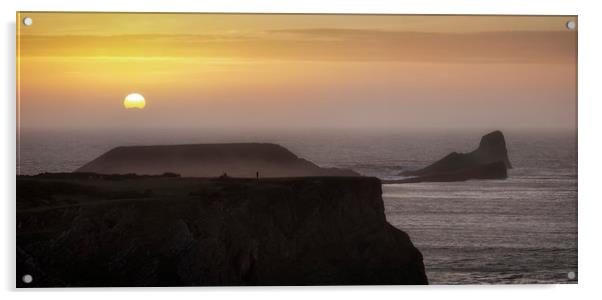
(172, 231)
(488, 161)
(209, 160)
(496, 170)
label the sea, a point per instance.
(519, 230)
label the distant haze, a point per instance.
(297, 71)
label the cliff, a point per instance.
(170, 231)
(488, 161)
(209, 160)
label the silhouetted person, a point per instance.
(257, 174)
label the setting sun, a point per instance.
(134, 100)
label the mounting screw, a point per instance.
(571, 275)
(570, 25)
(27, 278)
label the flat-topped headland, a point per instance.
(209, 160)
(84, 229)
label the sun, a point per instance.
(134, 100)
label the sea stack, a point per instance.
(248, 160)
(489, 161)
(492, 148)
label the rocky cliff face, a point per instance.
(209, 160)
(183, 231)
(488, 161)
(492, 148)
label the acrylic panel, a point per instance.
(185, 149)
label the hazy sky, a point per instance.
(279, 71)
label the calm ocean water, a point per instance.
(519, 230)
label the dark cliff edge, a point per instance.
(171, 231)
(209, 160)
(489, 161)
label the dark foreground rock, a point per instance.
(488, 161)
(209, 160)
(169, 231)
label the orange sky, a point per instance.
(264, 70)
